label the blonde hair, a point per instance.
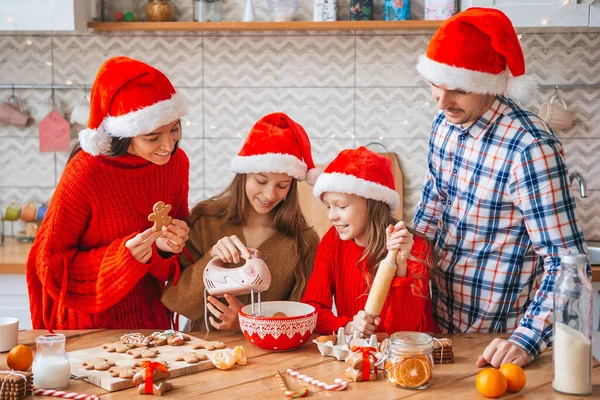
(232, 206)
(380, 217)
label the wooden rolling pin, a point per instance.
(381, 284)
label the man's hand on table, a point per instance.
(501, 351)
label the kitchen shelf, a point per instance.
(410, 25)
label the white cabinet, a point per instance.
(532, 13)
(14, 301)
(43, 15)
(595, 14)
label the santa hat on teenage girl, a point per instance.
(277, 144)
(360, 172)
(129, 98)
(477, 51)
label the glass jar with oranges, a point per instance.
(408, 361)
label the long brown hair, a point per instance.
(232, 206)
(379, 217)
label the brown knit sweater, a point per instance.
(279, 252)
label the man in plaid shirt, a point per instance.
(496, 201)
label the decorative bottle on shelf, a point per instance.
(361, 10)
(249, 12)
(572, 352)
(396, 10)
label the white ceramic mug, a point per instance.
(9, 333)
(81, 113)
(556, 116)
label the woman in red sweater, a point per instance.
(358, 190)
(97, 262)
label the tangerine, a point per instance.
(19, 358)
(491, 383)
(515, 376)
(413, 372)
(240, 355)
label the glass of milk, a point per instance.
(572, 352)
(51, 367)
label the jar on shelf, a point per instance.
(51, 367)
(159, 10)
(408, 360)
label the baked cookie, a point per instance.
(160, 339)
(157, 373)
(98, 363)
(159, 387)
(160, 216)
(175, 338)
(143, 353)
(117, 347)
(208, 345)
(190, 357)
(138, 340)
(125, 372)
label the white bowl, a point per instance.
(9, 333)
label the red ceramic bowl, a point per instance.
(279, 334)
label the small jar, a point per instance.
(408, 361)
(159, 11)
(51, 367)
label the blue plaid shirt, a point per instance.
(497, 206)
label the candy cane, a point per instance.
(339, 384)
(58, 393)
(287, 392)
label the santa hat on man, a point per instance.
(129, 98)
(277, 144)
(360, 172)
(477, 51)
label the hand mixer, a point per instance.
(253, 276)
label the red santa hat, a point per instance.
(129, 98)
(277, 144)
(477, 51)
(360, 172)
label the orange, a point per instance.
(19, 358)
(240, 355)
(491, 383)
(515, 377)
(412, 372)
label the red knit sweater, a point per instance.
(80, 275)
(338, 273)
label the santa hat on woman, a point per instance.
(129, 98)
(477, 51)
(277, 144)
(360, 172)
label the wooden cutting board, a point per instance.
(107, 382)
(315, 211)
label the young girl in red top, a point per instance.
(358, 190)
(97, 262)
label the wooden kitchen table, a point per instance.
(451, 381)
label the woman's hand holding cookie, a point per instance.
(173, 237)
(140, 245)
(227, 314)
(229, 249)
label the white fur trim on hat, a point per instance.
(147, 119)
(350, 184)
(312, 175)
(462, 78)
(270, 162)
(94, 141)
(520, 87)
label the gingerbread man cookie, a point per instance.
(208, 345)
(157, 373)
(98, 363)
(137, 340)
(143, 353)
(160, 216)
(117, 347)
(190, 357)
(126, 372)
(159, 387)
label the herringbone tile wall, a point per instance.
(345, 88)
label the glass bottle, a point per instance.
(408, 360)
(51, 367)
(208, 10)
(572, 352)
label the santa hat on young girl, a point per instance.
(477, 51)
(277, 144)
(360, 172)
(129, 98)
